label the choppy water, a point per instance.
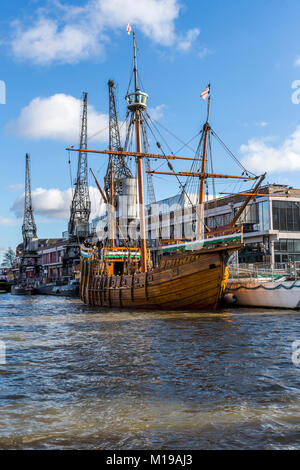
(77, 377)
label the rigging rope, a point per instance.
(181, 141)
(168, 162)
(232, 155)
(70, 171)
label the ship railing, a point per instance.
(206, 235)
(224, 231)
(261, 271)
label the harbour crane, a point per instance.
(29, 226)
(29, 259)
(120, 167)
(81, 205)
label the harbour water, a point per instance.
(77, 377)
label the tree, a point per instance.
(8, 258)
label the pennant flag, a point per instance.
(128, 28)
(205, 93)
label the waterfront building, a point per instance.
(51, 253)
(50, 260)
(271, 230)
(271, 223)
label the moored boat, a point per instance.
(264, 292)
(191, 273)
(71, 289)
(23, 290)
(4, 287)
(188, 280)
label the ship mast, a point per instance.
(206, 129)
(136, 102)
(112, 203)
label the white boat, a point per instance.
(280, 293)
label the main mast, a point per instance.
(136, 102)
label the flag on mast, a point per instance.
(205, 93)
(128, 28)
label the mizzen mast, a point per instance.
(206, 129)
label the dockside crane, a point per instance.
(29, 226)
(81, 205)
(120, 167)
(78, 227)
(29, 260)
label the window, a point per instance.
(290, 246)
(250, 215)
(287, 250)
(218, 221)
(283, 245)
(256, 217)
(286, 216)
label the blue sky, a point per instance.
(53, 51)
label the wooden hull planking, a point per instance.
(190, 281)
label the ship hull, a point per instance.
(18, 290)
(67, 290)
(190, 281)
(4, 287)
(274, 294)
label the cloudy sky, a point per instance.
(52, 51)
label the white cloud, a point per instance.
(155, 18)
(260, 155)
(262, 123)
(4, 221)
(57, 117)
(204, 51)
(46, 41)
(55, 203)
(185, 42)
(15, 187)
(297, 61)
(157, 112)
(68, 34)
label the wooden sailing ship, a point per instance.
(190, 274)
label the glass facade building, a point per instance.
(286, 250)
(286, 216)
(256, 217)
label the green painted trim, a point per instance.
(121, 256)
(202, 243)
